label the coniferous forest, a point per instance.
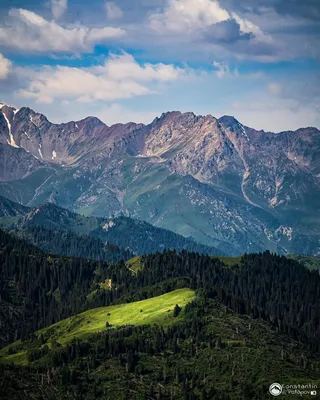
(250, 323)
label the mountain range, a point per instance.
(63, 232)
(216, 181)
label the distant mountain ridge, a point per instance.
(215, 180)
(64, 232)
(11, 209)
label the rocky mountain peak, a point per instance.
(232, 124)
(166, 116)
(184, 119)
(231, 177)
(92, 122)
(229, 121)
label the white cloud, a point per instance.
(5, 67)
(274, 114)
(113, 11)
(120, 77)
(125, 67)
(58, 7)
(222, 69)
(247, 26)
(30, 32)
(188, 16)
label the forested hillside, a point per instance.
(211, 353)
(42, 289)
(67, 243)
(268, 286)
(137, 237)
(242, 316)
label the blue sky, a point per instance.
(131, 60)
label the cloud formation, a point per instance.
(244, 36)
(120, 77)
(29, 32)
(188, 16)
(183, 16)
(113, 11)
(226, 32)
(58, 8)
(5, 67)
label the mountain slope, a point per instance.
(237, 336)
(66, 243)
(307, 261)
(224, 184)
(11, 209)
(43, 226)
(156, 310)
(233, 358)
(37, 289)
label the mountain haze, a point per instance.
(215, 180)
(64, 232)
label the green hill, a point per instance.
(157, 310)
(210, 353)
(246, 328)
(309, 262)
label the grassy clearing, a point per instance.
(157, 310)
(135, 264)
(230, 261)
(19, 358)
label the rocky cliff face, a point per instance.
(216, 180)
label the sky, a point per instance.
(132, 60)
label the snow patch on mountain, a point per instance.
(11, 141)
(244, 132)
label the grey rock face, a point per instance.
(215, 180)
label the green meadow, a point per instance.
(157, 310)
